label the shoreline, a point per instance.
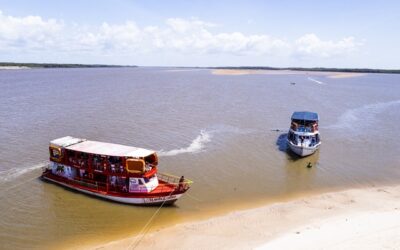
(344, 219)
(329, 74)
(13, 67)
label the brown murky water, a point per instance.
(217, 130)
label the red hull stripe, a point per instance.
(163, 190)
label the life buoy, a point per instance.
(56, 154)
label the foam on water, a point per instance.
(13, 173)
(356, 118)
(316, 81)
(199, 143)
(196, 146)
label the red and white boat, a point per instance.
(112, 171)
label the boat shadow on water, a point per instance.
(281, 142)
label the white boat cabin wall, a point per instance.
(144, 185)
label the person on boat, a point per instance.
(113, 181)
(181, 183)
(294, 125)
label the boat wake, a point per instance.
(199, 143)
(316, 81)
(196, 146)
(13, 173)
(363, 116)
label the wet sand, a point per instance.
(285, 72)
(358, 218)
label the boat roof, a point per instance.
(305, 115)
(100, 148)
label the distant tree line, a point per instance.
(60, 65)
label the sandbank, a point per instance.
(252, 72)
(14, 67)
(366, 218)
(346, 75)
(285, 72)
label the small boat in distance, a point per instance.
(112, 171)
(303, 137)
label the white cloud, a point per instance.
(176, 35)
(27, 32)
(110, 37)
(311, 45)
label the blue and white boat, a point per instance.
(303, 137)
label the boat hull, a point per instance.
(150, 200)
(303, 150)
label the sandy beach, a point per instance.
(13, 67)
(358, 218)
(285, 72)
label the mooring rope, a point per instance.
(146, 227)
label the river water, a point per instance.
(225, 132)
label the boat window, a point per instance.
(151, 159)
(114, 160)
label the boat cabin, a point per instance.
(303, 130)
(110, 166)
(304, 121)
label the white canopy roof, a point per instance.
(66, 141)
(100, 148)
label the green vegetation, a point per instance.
(59, 65)
(352, 70)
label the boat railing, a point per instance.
(302, 128)
(179, 183)
(166, 183)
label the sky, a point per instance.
(342, 34)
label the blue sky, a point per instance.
(202, 33)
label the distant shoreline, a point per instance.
(7, 65)
(12, 65)
(316, 69)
